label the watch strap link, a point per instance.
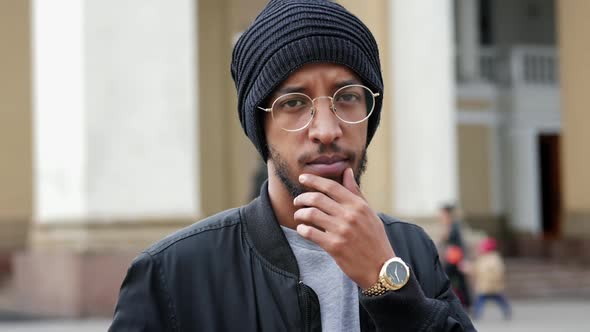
(377, 289)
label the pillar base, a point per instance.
(491, 224)
(67, 284)
(13, 238)
(76, 270)
(571, 250)
(13, 233)
(577, 224)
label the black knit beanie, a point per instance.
(288, 34)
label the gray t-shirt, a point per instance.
(338, 295)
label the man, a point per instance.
(453, 242)
(309, 253)
(451, 227)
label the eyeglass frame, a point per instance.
(332, 107)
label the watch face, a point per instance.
(397, 273)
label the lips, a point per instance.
(328, 159)
(328, 166)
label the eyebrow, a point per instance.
(301, 89)
(289, 89)
(347, 82)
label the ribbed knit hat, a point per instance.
(288, 34)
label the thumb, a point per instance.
(350, 183)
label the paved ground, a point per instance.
(538, 316)
(90, 325)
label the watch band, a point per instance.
(377, 289)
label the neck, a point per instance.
(280, 199)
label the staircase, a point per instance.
(538, 278)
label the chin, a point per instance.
(338, 179)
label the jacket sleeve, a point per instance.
(142, 305)
(409, 309)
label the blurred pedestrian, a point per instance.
(453, 265)
(455, 255)
(452, 234)
(488, 272)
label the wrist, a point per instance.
(393, 275)
(373, 276)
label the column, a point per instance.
(468, 39)
(423, 93)
(115, 145)
(16, 189)
(114, 110)
(574, 80)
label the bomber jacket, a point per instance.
(235, 271)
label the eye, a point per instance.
(348, 97)
(292, 103)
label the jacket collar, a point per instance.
(266, 234)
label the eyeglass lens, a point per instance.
(352, 104)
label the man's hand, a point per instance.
(338, 218)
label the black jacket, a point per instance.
(235, 271)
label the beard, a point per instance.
(293, 186)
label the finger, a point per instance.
(315, 217)
(349, 182)
(313, 234)
(318, 200)
(327, 186)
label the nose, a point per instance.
(325, 127)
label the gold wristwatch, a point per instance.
(393, 276)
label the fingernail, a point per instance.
(300, 229)
(302, 178)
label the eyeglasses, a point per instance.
(351, 104)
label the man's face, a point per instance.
(327, 146)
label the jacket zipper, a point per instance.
(303, 287)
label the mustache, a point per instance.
(327, 148)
